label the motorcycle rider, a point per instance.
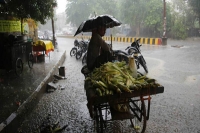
(99, 52)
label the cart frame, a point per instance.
(138, 102)
(12, 57)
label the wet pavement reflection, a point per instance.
(15, 90)
(176, 110)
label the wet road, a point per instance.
(177, 110)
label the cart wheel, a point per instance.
(138, 109)
(99, 123)
(18, 67)
(30, 60)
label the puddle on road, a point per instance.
(177, 46)
(157, 70)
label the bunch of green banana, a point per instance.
(115, 77)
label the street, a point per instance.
(177, 110)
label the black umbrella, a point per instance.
(102, 20)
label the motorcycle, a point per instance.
(117, 55)
(79, 48)
(83, 46)
(73, 51)
(134, 50)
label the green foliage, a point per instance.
(196, 24)
(39, 10)
(80, 10)
(190, 19)
(77, 11)
(146, 14)
(142, 13)
(195, 4)
(179, 30)
(154, 15)
(132, 12)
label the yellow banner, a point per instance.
(10, 26)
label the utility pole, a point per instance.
(164, 37)
(52, 22)
(164, 18)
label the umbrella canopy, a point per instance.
(102, 20)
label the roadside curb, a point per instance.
(15, 119)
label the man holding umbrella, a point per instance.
(99, 52)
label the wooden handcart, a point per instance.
(12, 57)
(138, 102)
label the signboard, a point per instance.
(10, 26)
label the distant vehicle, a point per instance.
(67, 32)
(59, 33)
(47, 35)
(40, 35)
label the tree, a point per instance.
(78, 11)
(106, 7)
(195, 4)
(154, 16)
(39, 10)
(179, 10)
(133, 13)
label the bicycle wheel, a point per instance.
(18, 67)
(137, 107)
(30, 60)
(73, 52)
(78, 55)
